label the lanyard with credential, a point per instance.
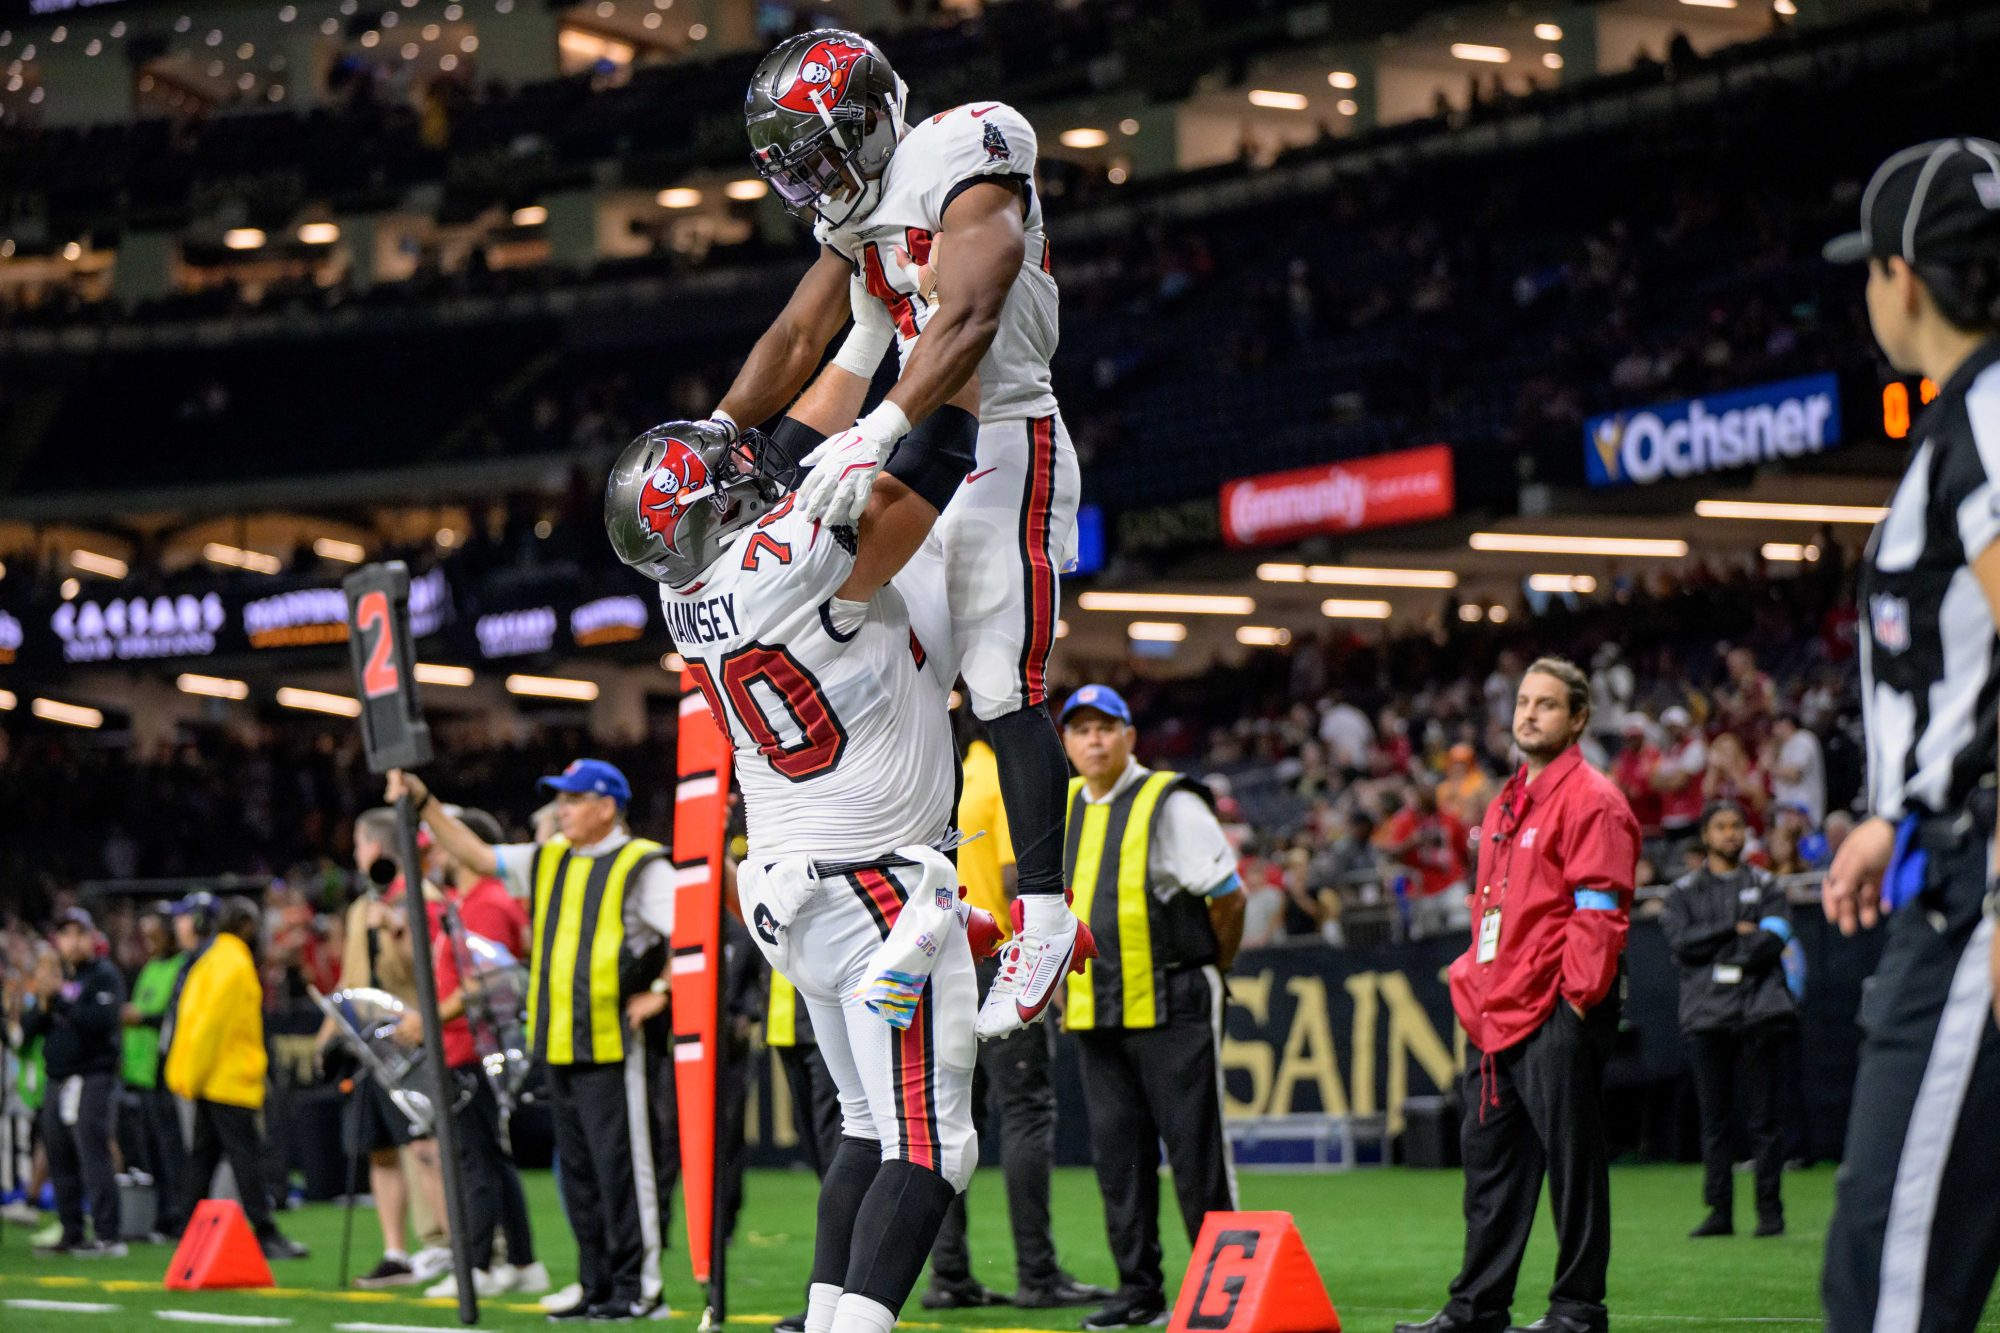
(1490, 906)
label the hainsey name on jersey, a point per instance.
(842, 736)
(937, 159)
(706, 620)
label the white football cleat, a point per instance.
(1049, 943)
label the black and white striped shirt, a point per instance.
(1930, 675)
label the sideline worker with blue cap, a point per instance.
(603, 913)
(1155, 878)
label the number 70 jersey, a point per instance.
(841, 731)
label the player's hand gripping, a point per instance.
(844, 467)
(1851, 894)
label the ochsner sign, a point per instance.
(1790, 419)
(1408, 486)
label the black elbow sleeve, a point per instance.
(791, 440)
(937, 455)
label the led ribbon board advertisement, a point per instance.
(1714, 433)
(1408, 486)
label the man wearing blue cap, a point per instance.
(603, 912)
(1155, 879)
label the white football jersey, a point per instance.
(936, 159)
(842, 741)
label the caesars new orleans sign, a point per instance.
(1714, 433)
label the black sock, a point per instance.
(896, 1228)
(842, 1189)
(1034, 784)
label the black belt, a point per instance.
(1972, 826)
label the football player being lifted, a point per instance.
(824, 653)
(938, 227)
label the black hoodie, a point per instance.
(80, 1025)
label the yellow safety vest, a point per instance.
(575, 999)
(781, 1014)
(1139, 938)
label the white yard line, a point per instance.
(230, 1320)
(62, 1307)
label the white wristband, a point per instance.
(885, 425)
(864, 347)
(722, 418)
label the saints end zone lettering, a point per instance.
(1251, 1273)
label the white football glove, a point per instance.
(843, 467)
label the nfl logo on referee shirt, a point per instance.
(1889, 617)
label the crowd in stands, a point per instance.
(1350, 767)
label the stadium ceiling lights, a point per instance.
(244, 238)
(433, 673)
(257, 562)
(104, 566)
(746, 190)
(1278, 101)
(332, 548)
(1342, 608)
(1790, 553)
(1549, 32)
(1528, 543)
(1156, 631)
(1263, 636)
(1343, 79)
(212, 687)
(72, 715)
(319, 233)
(680, 196)
(1184, 603)
(1485, 55)
(1358, 576)
(1576, 583)
(7, 701)
(318, 701)
(552, 687)
(534, 215)
(1791, 513)
(1710, 4)
(1083, 137)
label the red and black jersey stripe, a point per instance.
(913, 1072)
(881, 895)
(1037, 562)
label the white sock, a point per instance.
(821, 1298)
(859, 1314)
(1042, 913)
(396, 1256)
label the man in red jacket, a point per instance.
(1535, 993)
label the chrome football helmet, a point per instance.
(679, 493)
(825, 113)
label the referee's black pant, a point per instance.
(604, 1140)
(493, 1197)
(1146, 1085)
(1915, 1238)
(1536, 1109)
(1011, 1080)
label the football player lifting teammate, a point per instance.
(934, 230)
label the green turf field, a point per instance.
(1386, 1243)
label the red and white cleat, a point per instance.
(1049, 943)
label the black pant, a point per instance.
(815, 1103)
(224, 1131)
(602, 1129)
(166, 1157)
(1537, 1107)
(80, 1155)
(1915, 1237)
(1145, 1085)
(664, 1099)
(1011, 1080)
(493, 1197)
(1752, 1060)
(732, 1074)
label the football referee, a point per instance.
(1915, 1237)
